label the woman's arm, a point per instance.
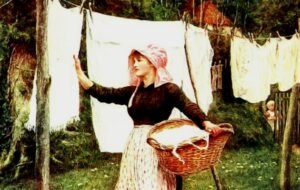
(111, 95)
(103, 94)
(191, 109)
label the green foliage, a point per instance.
(160, 12)
(68, 150)
(9, 34)
(142, 9)
(251, 128)
(262, 17)
(71, 150)
(4, 109)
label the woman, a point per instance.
(150, 98)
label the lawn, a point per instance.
(246, 168)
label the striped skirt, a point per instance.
(139, 168)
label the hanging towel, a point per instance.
(249, 69)
(200, 55)
(64, 35)
(109, 42)
(287, 62)
(271, 51)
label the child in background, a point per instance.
(270, 114)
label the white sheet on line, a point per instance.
(249, 70)
(272, 58)
(64, 35)
(200, 54)
(109, 42)
(287, 62)
(277, 59)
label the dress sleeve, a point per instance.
(186, 106)
(111, 95)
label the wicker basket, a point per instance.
(195, 160)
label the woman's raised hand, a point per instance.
(77, 65)
(84, 81)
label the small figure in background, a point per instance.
(270, 114)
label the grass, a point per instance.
(246, 168)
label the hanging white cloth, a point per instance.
(200, 55)
(254, 68)
(271, 49)
(249, 70)
(64, 35)
(287, 62)
(109, 42)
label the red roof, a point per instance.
(210, 14)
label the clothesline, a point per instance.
(253, 38)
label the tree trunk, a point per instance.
(20, 82)
(43, 84)
(286, 145)
(20, 79)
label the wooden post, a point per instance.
(286, 145)
(43, 84)
(190, 69)
(201, 13)
(193, 7)
(216, 178)
(285, 178)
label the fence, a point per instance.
(282, 106)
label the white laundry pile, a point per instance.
(109, 42)
(173, 138)
(64, 35)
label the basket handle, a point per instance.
(151, 141)
(226, 128)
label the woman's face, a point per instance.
(142, 65)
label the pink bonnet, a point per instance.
(158, 57)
